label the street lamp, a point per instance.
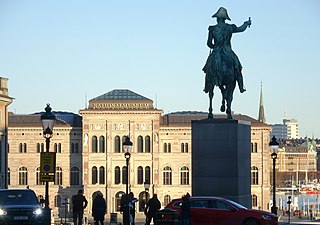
(146, 185)
(274, 145)
(127, 147)
(47, 119)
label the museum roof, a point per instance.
(185, 118)
(121, 94)
(33, 120)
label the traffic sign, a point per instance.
(46, 177)
(47, 162)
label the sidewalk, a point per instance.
(294, 220)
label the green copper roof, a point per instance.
(121, 94)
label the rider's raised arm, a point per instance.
(243, 27)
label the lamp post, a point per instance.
(146, 185)
(47, 119)
(274, 145)
(127, 147)
(289, 206)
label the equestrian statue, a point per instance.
(223, 68)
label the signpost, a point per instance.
(47, 166)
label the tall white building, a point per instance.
(288, 130)
(292, 128)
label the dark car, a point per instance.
(221, 211)
(19, 206)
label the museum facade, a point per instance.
(90, 155)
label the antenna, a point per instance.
(156, 98)
(85, 101)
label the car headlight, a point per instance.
(37, 212)
(267, 217)
(2, 212)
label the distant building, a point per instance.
(279, 131)
(5, 101)
(292, 128)
(297, 162)
(288, 130)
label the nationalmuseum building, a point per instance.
(89, 152)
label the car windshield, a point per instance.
(236, 204)
(18, 198)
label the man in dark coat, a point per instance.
(98, 209)
(185, 210)
(151, 209)
(79, 203)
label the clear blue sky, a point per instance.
(60, 51)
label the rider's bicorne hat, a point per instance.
(222, 13)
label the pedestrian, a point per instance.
(124, 209)
(185, 210)
(79, 203)
(153, 205)
(132, 207)
(98, 209)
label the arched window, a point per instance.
(165, 148)
(182, 147)
(117, 144)
(101, 144)
(20, 148)
(184, 175)
(94, 175)
(23, 176)
(117, 175)
(38, 182)
(42, 147)
(94, 144)
(186, 148)
(124, 175)
(58, 177)
(74, 176)
(167, 176)
(55, 147)
(140, 175)
(38, 148)
(147, 174)
(254, 175)
(147, 144)
(252, 147)
(101, 175)
(76, 148)
(72, 147)
(169, 147)
(142, 199)
(255, 147)
(118, 200)
(166, 199)
(59, 148)
(140, 144)
(254, 201)
(57, 201)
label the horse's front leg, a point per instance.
(210, 115)
(223, 102)
(229, 97)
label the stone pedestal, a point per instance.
(221, 159)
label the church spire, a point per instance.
(261, 108)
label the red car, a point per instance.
(221, 211)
